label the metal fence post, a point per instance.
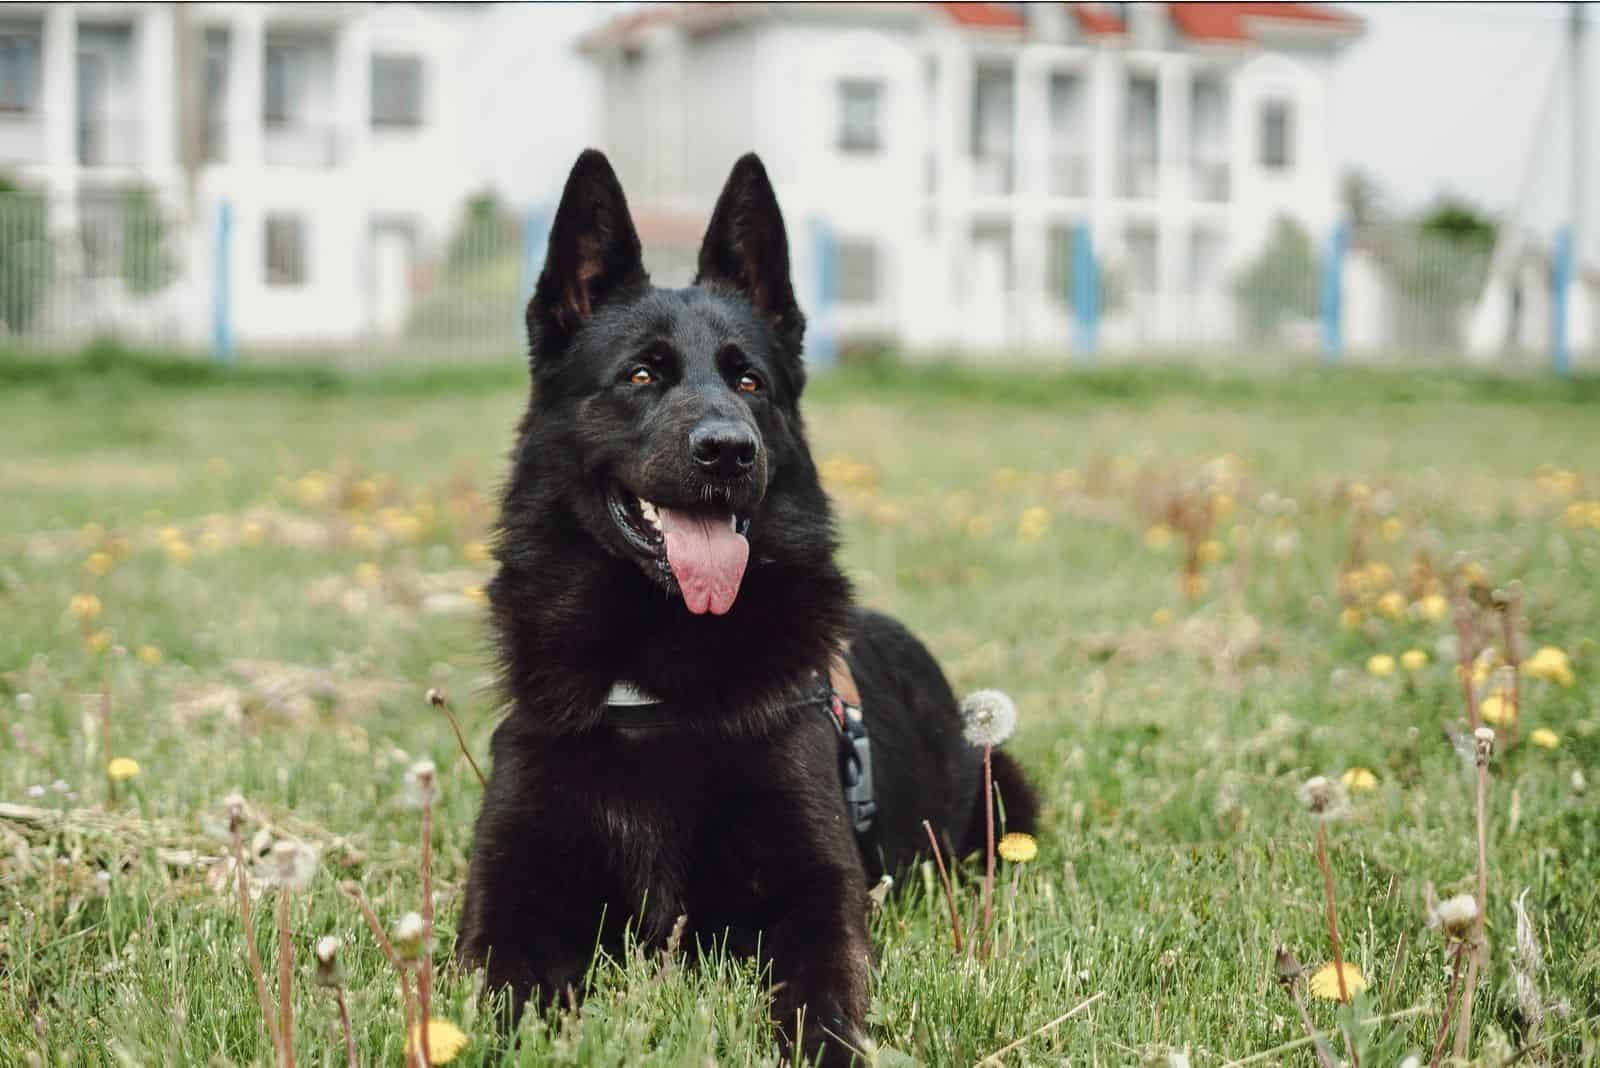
(535, 236)
(1333, 293)
(1561, 300)
(823, 350)
(222, 294)
(1085, 292)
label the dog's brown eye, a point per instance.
(642, 376)
(749, 383)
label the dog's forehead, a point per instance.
(699, 322)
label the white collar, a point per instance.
(626, 693)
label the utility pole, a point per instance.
(1568, 267)
(1577, 14)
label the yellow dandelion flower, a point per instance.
(119, 547)
(1033, 524)
(1158, 538)
(98, 563)
(1221, 505)
(1195, 585)
(85, 606)
(1545, 738)
(1381, 665)
(445, 1040)
(122, 768)
(475, 552)
(169, 535)
(1325, 982)
(1498, 710)
(1359, 779)
(1475, 574)
(1550, 664)
(252, 533)
(312, 489)
(212, 541)
(1016, 848)
(149, 654)
(1360, 492)
(91, 534)
(979, 526)
(1161, 616)
(475, 594)
(367, 573)
(1210, 551)
(364, 494)
(1433, 607)
(179, 551)
(98, 642)
(1414, 659)
(1392, 604)
(1350, 618)
(1392, 529)
(361, 537)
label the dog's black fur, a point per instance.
(737, 819)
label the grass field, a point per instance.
(282, 564)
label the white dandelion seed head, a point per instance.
(328, 973)
(990, 717)
(408, 936)
(1483, 740)
(26, 703)
(35, 791)
(1454, 916)
(1324, 798)
(292, 865)
(435, 697)
(422, 784)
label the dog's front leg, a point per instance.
(820, 958)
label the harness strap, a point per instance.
(629, 708)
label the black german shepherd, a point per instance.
(664, 538)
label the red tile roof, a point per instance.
(1232, 22)
(986, 16)
(1098, 21)
(1215, 22)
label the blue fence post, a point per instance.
(535, 235)
(822, 348)
(1561, 292)
(222, 295)
(1085, 292)
(1333, 293)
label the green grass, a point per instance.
(1168, 750)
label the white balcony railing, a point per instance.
(301, 144)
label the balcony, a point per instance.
(21, 137)
(108, 142)
(301, 144)
(992, 174)
(1210, 180)
(1140, 176)
(1068, 174)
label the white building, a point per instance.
(345, 138)
(952, 149)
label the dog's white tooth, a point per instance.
(733, 523)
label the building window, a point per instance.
(286, 250)
(860, 115)
(396, 91)
(993, 111)
(1069, 159)
(1141, 125)
(858, 272)
(19, 66)
(1277, 135)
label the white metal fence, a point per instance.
(123, 265)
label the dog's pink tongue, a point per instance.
(708, 559)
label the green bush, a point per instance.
(26, 257)
(1281, 284)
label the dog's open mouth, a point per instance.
(702, 550)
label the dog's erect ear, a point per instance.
(746, 248)
(593, 254)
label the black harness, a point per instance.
(627, 709)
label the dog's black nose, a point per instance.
(726, 450)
